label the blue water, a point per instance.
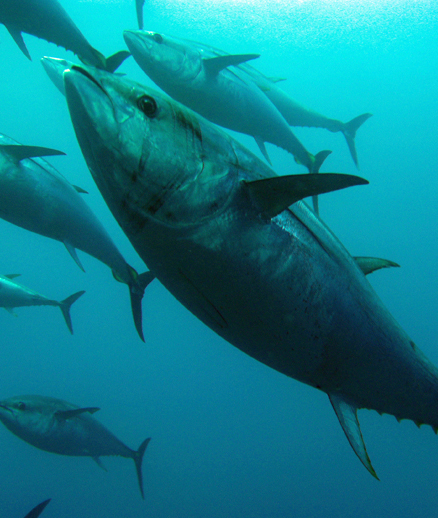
(230, 437)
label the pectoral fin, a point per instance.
(214, 65)
(347, 415)
(371, 264)
(63, 415)
(79, 189)
(273, 195)
(18, 38)
(19, 152)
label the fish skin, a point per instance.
(35, 196)
(223, 96)
(14, 295)
(48, 20)
(35, 419)
(284, 290)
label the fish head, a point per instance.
(166, 60)
(54, 68)
(145, 151)
(20, 413)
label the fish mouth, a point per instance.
(91, 108)
(138, 41)
(7, 408)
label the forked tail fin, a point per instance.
(109, 64)
(138, 459)
(65, 306)
(349, 131)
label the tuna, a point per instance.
(59, 427)
(14, 295)
(35, 196)
(239, 248)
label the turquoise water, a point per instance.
(230, 437)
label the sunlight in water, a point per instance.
(302, 23)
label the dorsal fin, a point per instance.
(214, 65)
(371, 264)
(12, 275)
(273, 195)
(63, 415)
(347, 415)
(19, 152)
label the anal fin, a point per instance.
(72, 251)
(347, 415)
(18, 38)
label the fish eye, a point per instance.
(147, 105)
(21, 406)
(158, 38)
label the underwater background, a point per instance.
(231, 437)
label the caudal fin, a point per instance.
(138, 459)
(136, 291)
(113, 62)
(349, 131)
(109, 64)
(65, 306)
(318, 160)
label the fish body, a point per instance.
(14, 295)
(35, 196)
(233, 243)
(56, 426)
(48, 20)
(210, 87)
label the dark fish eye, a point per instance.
(147, 105)
(21, 406)
(158, 38)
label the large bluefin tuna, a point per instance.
(59, 427)
(35, 196)
(14, 295)
(210, 87)
(234, 244)
(145, 48)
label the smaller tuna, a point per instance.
(35, 196)
(59, 427)
(36, 511)
(14, 295)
